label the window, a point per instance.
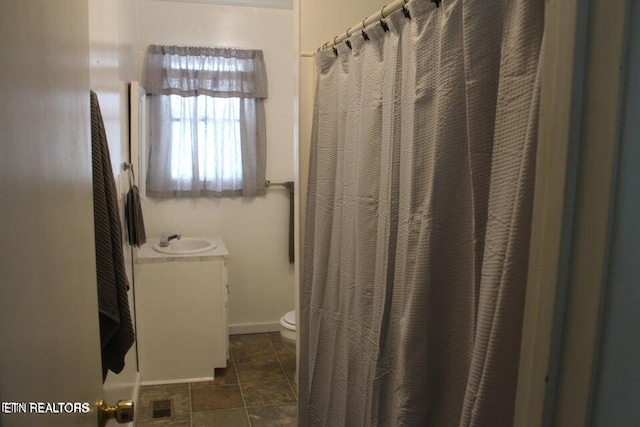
(215, 122)
(207, 122)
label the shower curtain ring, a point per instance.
(347, 41)
(334, 40)
(364, 34)
(382, 11)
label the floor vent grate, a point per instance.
(161, 408)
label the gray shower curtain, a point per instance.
(418, 218)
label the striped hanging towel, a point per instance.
(116, 327)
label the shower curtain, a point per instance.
(418, 218)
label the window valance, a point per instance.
(218, 72)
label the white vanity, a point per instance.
(181, 313)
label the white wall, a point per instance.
(112, 65)
(320, 21)
(255, 230)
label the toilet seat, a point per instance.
(288, 321)
(288, 331)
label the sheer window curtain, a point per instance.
(208, 131)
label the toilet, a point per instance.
(288, 329)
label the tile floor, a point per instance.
(256, 389)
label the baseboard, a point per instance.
(253, 328)
(178, 381)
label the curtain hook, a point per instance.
(383, 24)
(364, 34)
(405, 11)
(347, 41)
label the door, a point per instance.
(49, 334)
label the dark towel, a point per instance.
(133, 217)
(116, 328)
(290, 186)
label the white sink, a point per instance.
(186, 246)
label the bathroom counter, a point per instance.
(147, 255)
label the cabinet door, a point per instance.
(180, 309)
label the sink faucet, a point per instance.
(165, 238)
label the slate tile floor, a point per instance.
(257, 389)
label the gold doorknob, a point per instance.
(122, 412)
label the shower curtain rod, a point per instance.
(381, 14)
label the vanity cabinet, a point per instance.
(181, 314)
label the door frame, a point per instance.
(580, 114)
